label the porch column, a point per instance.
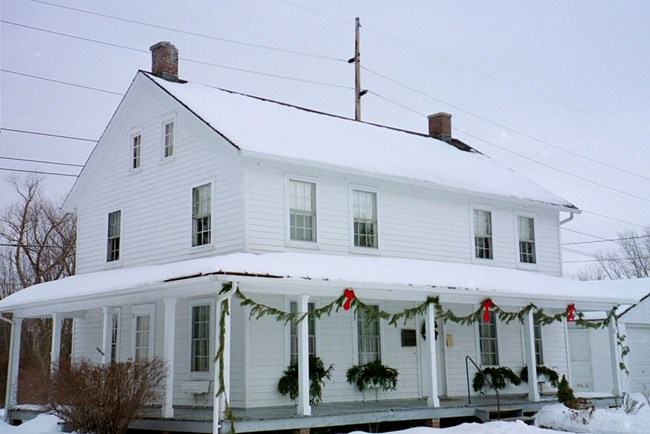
(107, 333)
(14, 364)
(430, 321)
(619, 384)
(219, 401)
(55, 351)
(169, 337)
(304, 409)
(529, 356)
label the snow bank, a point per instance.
(517, 427)
(42, 424)
(602, 421)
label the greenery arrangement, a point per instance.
(499, 377)
(581, 409)
(552, 375)
(373, 374)
(288, 384)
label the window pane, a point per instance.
(369, 338)
(201, 215)
(364, 211)
(200, 338)
(302, 212)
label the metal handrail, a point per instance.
(469, 399)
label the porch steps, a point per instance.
(487, 414)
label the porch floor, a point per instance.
(199, 419)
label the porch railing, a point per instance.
(487, 380)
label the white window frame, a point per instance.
(191, 305)
(288, 179)
(211, 216)
(497, 323)
(171, 118)
(143, 310)
(132, 137)
(355, 339)
(119, 237)
(537, 329)
(362, 249)
(116, 324)
(520, 264)
(473, 209)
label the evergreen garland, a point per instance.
(499, 376)
(551, 374)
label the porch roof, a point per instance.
(295, 273)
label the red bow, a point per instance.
(572, 312)
(349, 294)
(487, 304)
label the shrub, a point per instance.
(103, 399)
(288, 384)
(373, 374)
(552, 375)
(498, 376)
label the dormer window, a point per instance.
(168, 140)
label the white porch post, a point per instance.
(169, 336)
(14, 364)
(55, 351)
(620, 385)
(107, 330)
(304, 409)
(219, 401)
(529, 357)
(430, 320)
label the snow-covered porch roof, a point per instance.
(378, 278)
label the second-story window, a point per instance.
(526, 240)
(483, 248)
(168, 140)
(113, 239)
(364, 204)
(201, 215)
(302, 211)
(136, 151)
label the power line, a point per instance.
(33, 246)
(41, 161)
(559, 170)
(201, 35)
(37, 172)
(200, 62)
(60, 82)
(607, 240)
(582, 233)
(579, 252)
(544, 142)
(38, 133)
(396, 103)
(600, 260)
(613, 218)
(474, 70)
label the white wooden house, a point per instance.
(192, 187)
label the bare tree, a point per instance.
(37, 244)
(631, 259)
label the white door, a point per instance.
(638, 360)
(582, 374)
(440, 360)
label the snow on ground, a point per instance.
(603, 421)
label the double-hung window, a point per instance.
(483, 248)
(293, 331)
(200, 353)
(364, 210)
(302, 211)
(136, 151)
(113, 238)
(115, 335)
(537, 332)
(168, 139)
(488, 342)
(143, 332)
(526, 240)
(201, 215)
(369, 339)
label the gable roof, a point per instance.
(258, 127)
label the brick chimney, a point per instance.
(440, 126)
(164, 60)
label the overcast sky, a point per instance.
(557, 90)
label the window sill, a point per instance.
(365, 251)
(527, 266)
(203, 248)
(302, 244)
(135, 171)
(113, 264)
(482, 261)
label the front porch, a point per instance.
(199, 419)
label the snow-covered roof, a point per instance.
(391, 274)
(266, 128)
